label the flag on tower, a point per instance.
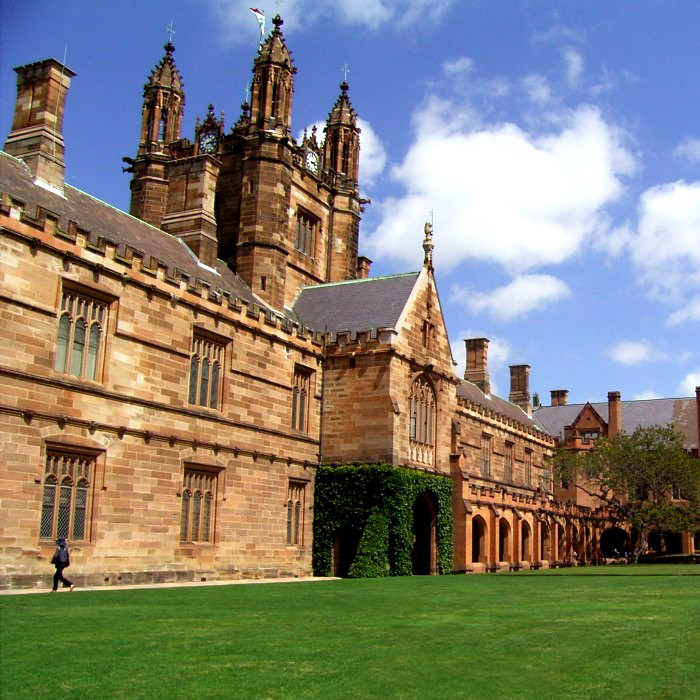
(260, 16)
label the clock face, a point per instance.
(312, 162)
(208, 142)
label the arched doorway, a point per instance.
(479, 539)
(614, 542)
(544, 542)
(344, 551)
(526, 545)
(424, 553)
(665, 542)
(503, 540)
(696, 541)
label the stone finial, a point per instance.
(428, 245)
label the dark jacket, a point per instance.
(61, 558)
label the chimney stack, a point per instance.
(614, 414)
(363, 266)
(520, 387)
(477, 370)
(37, 128)
(560, 397)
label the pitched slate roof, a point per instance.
(101, 220)
(471, 392)
(680, 413)
(355, 305)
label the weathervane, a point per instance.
(346, 70)
(170, 31)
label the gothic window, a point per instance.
(296, 493)
(300, 399)
(307, 231)
(66, 496)
(528, 467)
(422, 415)
(80, 341)
(508, 468)
(206, 371)
(197, 510)
(486, 455)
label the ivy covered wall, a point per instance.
(371, 508)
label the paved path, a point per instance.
(184, 584)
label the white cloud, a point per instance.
(634, 352)
(690, 149)
(537, 89)
(688, 383)
(574, 66)
(665, 246)
(645, 395)
(687, 314)
(459, 66)
(523, 294)
(239, 25)
(500, 193)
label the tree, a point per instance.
(646, 479)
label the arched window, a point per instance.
(65, 499)
(198, 506)
(296, 493)
(79, 343)
(422, 417)
(205, 372)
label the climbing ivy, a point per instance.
(373, 504)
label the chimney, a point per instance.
(560, 397)
(37, 128)
(614, 413)
(520, 387)
(363, 265)
(477, 370)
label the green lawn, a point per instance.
(609, 632)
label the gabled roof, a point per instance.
(355, 305)
(680, 413)
(471, 392)
(100, 220)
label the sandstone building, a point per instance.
(173, 377)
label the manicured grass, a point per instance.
(612, 632)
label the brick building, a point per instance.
(172, 378)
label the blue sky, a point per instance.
(556, 143)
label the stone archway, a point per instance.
(545, 552)
(614, 542)
(525, 541)
(479, 540)
(503, 540)
(424, 553)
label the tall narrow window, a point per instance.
(80, 338)
(528, 467)
(508, 465)
(307, 231)
(205, 372)
(197, 509)
(66, 496)
(300, 399)
(296, 493)
(486, 455)
(421, 425)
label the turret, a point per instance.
(163, 102)
(342, 147)
(273, 85)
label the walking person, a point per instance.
(61, 560)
